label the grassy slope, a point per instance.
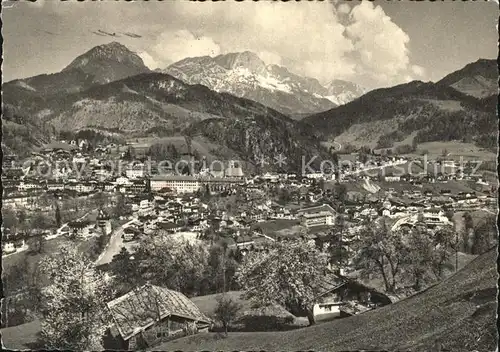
(22, 336)
(459, 313)
(456, 150)
(208, 303)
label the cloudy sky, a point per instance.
(374, 44)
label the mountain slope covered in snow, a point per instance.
(246, 75)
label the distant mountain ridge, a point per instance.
(478, 79)
(246, 75)
(110, 88)
(461, 106)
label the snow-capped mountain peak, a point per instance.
(246, 75)
(245, 59)
(341, 92)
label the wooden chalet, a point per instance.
(150, 315)
(342, 296)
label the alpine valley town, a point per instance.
(249, 176)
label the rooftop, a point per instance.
(317, 209)
(142, 307)
(193, 178)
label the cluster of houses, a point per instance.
(188, 214)
(69, 167)
(85, 228)
(171, 202)
(179, 205)
(13, 242)
(189, 217)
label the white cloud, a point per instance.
(407, 79)
(269, 58)
(149, 61)
(344, 8)
(327, 71)
(170, 47)
(325, 40)
(380, 45)
(418, 71)
(307, 36)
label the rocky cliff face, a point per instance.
(267, 143)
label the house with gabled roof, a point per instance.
(81, 228)
(342, 296)
(149, 315)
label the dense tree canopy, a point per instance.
(191, 268)
(401, 257)
(286, 274)
(73, 310)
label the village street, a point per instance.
(114, 245)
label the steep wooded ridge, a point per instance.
(146, 102)
(262, 140)
(20, 134)
(246, 75)
(460, 106)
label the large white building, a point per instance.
(323, 215)
(180, 184)
(434, 218)
(190, 184)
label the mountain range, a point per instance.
(246, 75)
(457, 314)
(237, 104)
(461, 106)
(137, 101)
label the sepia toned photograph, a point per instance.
(267, 175)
